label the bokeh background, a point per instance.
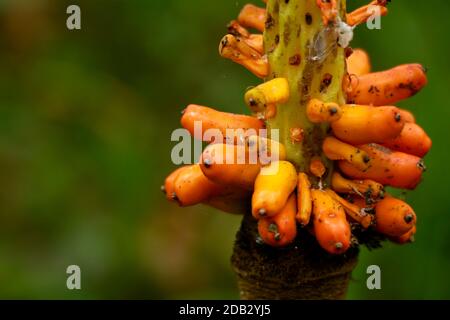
(85, 124)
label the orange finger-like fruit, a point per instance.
(413, 140)
(230, 165)
(407, 116)
(192, 187)
(331, 227)
(386, 87)
(405, 238)
(318, 111)
(393, 168)
(281, 229)
(358, 63)
(213, 119)
(366, 12)
(169, 184)
(394, 217)
(365, 124)
(335, 149)
(367, 188)
(243, 53)
(252, 16)
(273, 186)
(353, 211)
(304, 202)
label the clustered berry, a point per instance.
(329, 174)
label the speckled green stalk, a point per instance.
(291, 38)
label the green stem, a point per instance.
(300, 48)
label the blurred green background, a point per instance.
(85, 124)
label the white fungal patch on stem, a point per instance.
(345, 33)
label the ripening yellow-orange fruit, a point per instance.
(273, 186)
(407, 116)
(329, 10)
(352, 210)
(365, 187)
(213, 119)
(255, 41)
(241, 52)
(230, 165)
(405, 238)
(358, 63)
(338, 150)
(364, 203)
(386, 87)
(304, 201)
(317, 167)
(275, 91)
(169, 186)
(318, 111)
(413, 140)
(362, 14)
(252, 16)
(191, 187)
(281, 229)
(266, 150)
(365, 124)
(394, 217)
(331, 227)
(393, 168)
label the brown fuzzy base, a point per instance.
(301, 271)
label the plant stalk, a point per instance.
(302, 49)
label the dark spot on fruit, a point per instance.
(409, 218)
(207, 163)
(366, 158)
(374, 90)
(421, 165)
(225, 42)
